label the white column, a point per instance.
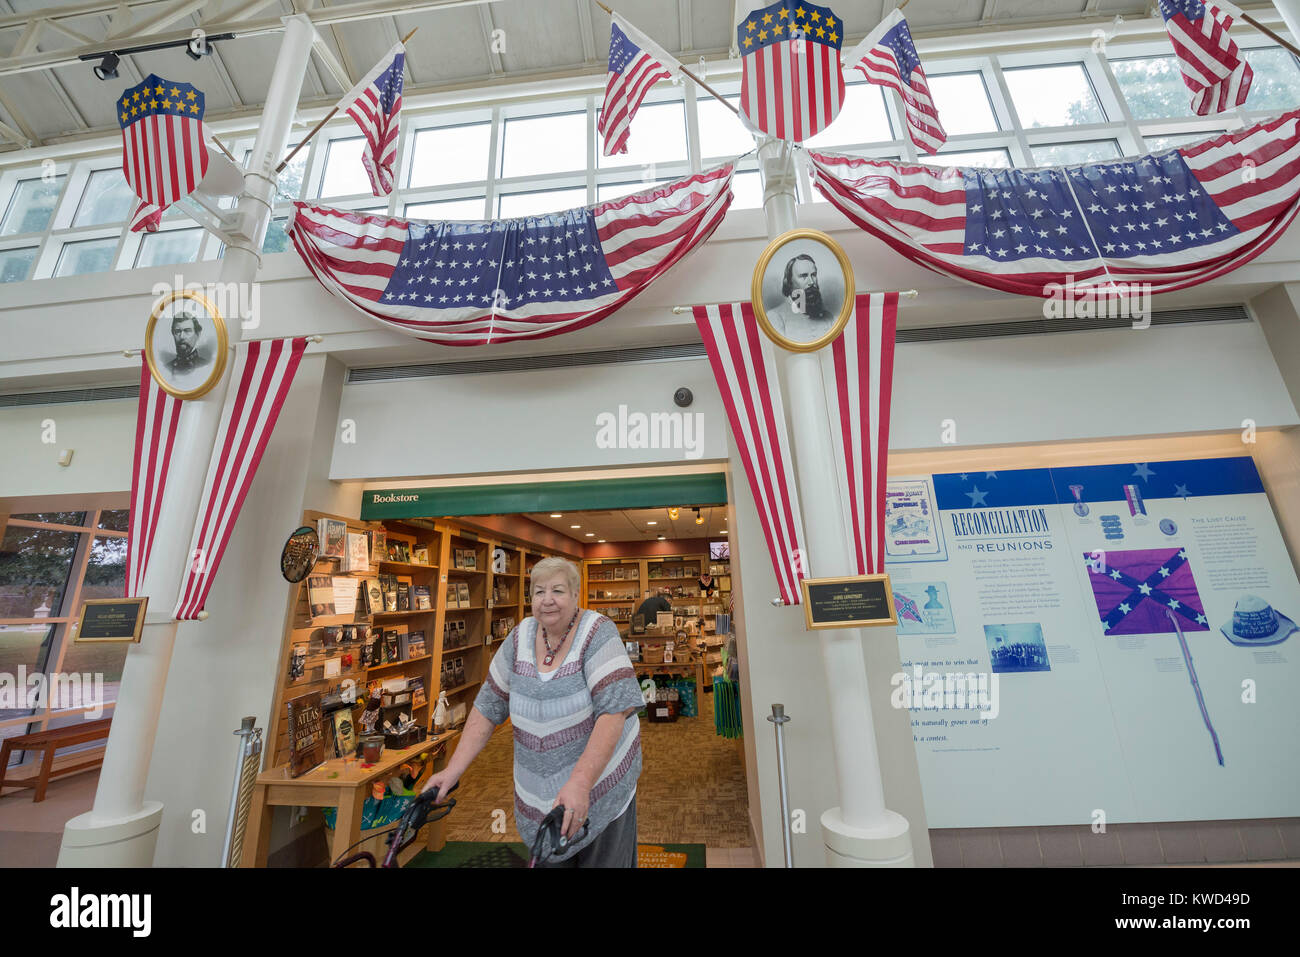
(1290, 10)
(121, 829)
(860, 831)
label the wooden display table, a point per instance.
(686, 668)
(333, 784)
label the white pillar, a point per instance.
(860, 831)
(1290, 10)
(121, 829)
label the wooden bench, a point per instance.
(50, 741)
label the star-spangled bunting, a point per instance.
(163, 154)
(1170, 219)
(888, 57)
(472, 283)
(636, 63)
(1213, 69)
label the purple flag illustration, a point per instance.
(1134, 589)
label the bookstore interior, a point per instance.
(394, 623)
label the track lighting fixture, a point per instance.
(699, 519)
(107, 68)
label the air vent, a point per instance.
(102, 394)
(695, 350)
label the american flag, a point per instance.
(1171, 219)
(636, 63)
(791, 83)
(1218, 76)
(473, 283)
(163, 154)
(888, 57)
(376, 104)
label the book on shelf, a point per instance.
(376, 656)
(655, 572)
(374, 596)
(620, 573)
(298, 661)
(418, 697)
(356, 553)
(416, 645)
(391, 650)
(306, 744)
(329, 638)
(403, 646)
(333, 537)
(458, 672)
(462, 594)
(420, 555)
(422, 599)
(378, 545)
(345, 595)
(403, 596)
(388, 583)
(451, 595)
(459, 711)
(320, 595)
(345, 733)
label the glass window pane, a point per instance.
(89, 255)
(34, 567)
(863, 119)
(511, 205)
(1276, 84)
(1061, 154)
(174, 246)
(106, 199)
(289, 182)
(454, 154)
(989, 159)
(461, 209)
(963, 103)
(721, 132)
(1153, 87)
(54, 518)
(344, 174)
(31, 206)
(1157, 143)
(115, 519)
(28, 646)
(1053, 95)
(106, 568)
(276, 239)
(544, 144)
(606, 191)
(658, 135)
(747, 188)
(15, 264)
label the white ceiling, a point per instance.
(632, 525)
(453, 47)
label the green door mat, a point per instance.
(500, 854)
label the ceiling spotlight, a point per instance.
(557, 515)
(575, 526)
(672, 513)
(652, 523)
(107, 69)
(198, 47)
(699, 519)
(662, 538)
(723, 532)
(591, 534)
(601, 541)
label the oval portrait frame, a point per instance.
(219, 324)
(756, 289)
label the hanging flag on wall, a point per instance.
(163, 154)
(745, 369)
(888, 57)
(157, 416)
(636, 63)
(376, 104)
(1213, 69)
(468, 284)
(858, 370)
(791, 84)
(1166, 220)
(263, 373)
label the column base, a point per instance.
(111, 842)
(887, 845)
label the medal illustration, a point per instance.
(1080, 507)
(1168, 526)
(1111, 527)
(1133, 495)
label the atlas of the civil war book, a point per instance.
(306, 743)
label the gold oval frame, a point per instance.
(756, 289)
(223, 344)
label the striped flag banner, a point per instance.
(1167, 220)
(163, 154)
(745, 369)
(263, 373)
(858, 369)
(157, 417)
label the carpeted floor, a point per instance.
(691, 790)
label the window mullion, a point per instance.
(1099, 65)
(1021, 156)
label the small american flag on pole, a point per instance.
(636, 63)
(376, 104)
(1213, 69)
(163, 154)
(888, 57)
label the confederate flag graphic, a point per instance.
(1133, 588)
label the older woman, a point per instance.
(565, 681)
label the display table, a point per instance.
(688, 669)
(333, 784)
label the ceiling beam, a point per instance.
(685, 25)
(495, 63)
(587, 30)
(28, 134)
(178, 10)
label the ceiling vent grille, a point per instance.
(63, 396)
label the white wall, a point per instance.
(101, 435)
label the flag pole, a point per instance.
(325, 119)
(716, 95)
(1268, 33)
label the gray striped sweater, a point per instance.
(554, 714)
